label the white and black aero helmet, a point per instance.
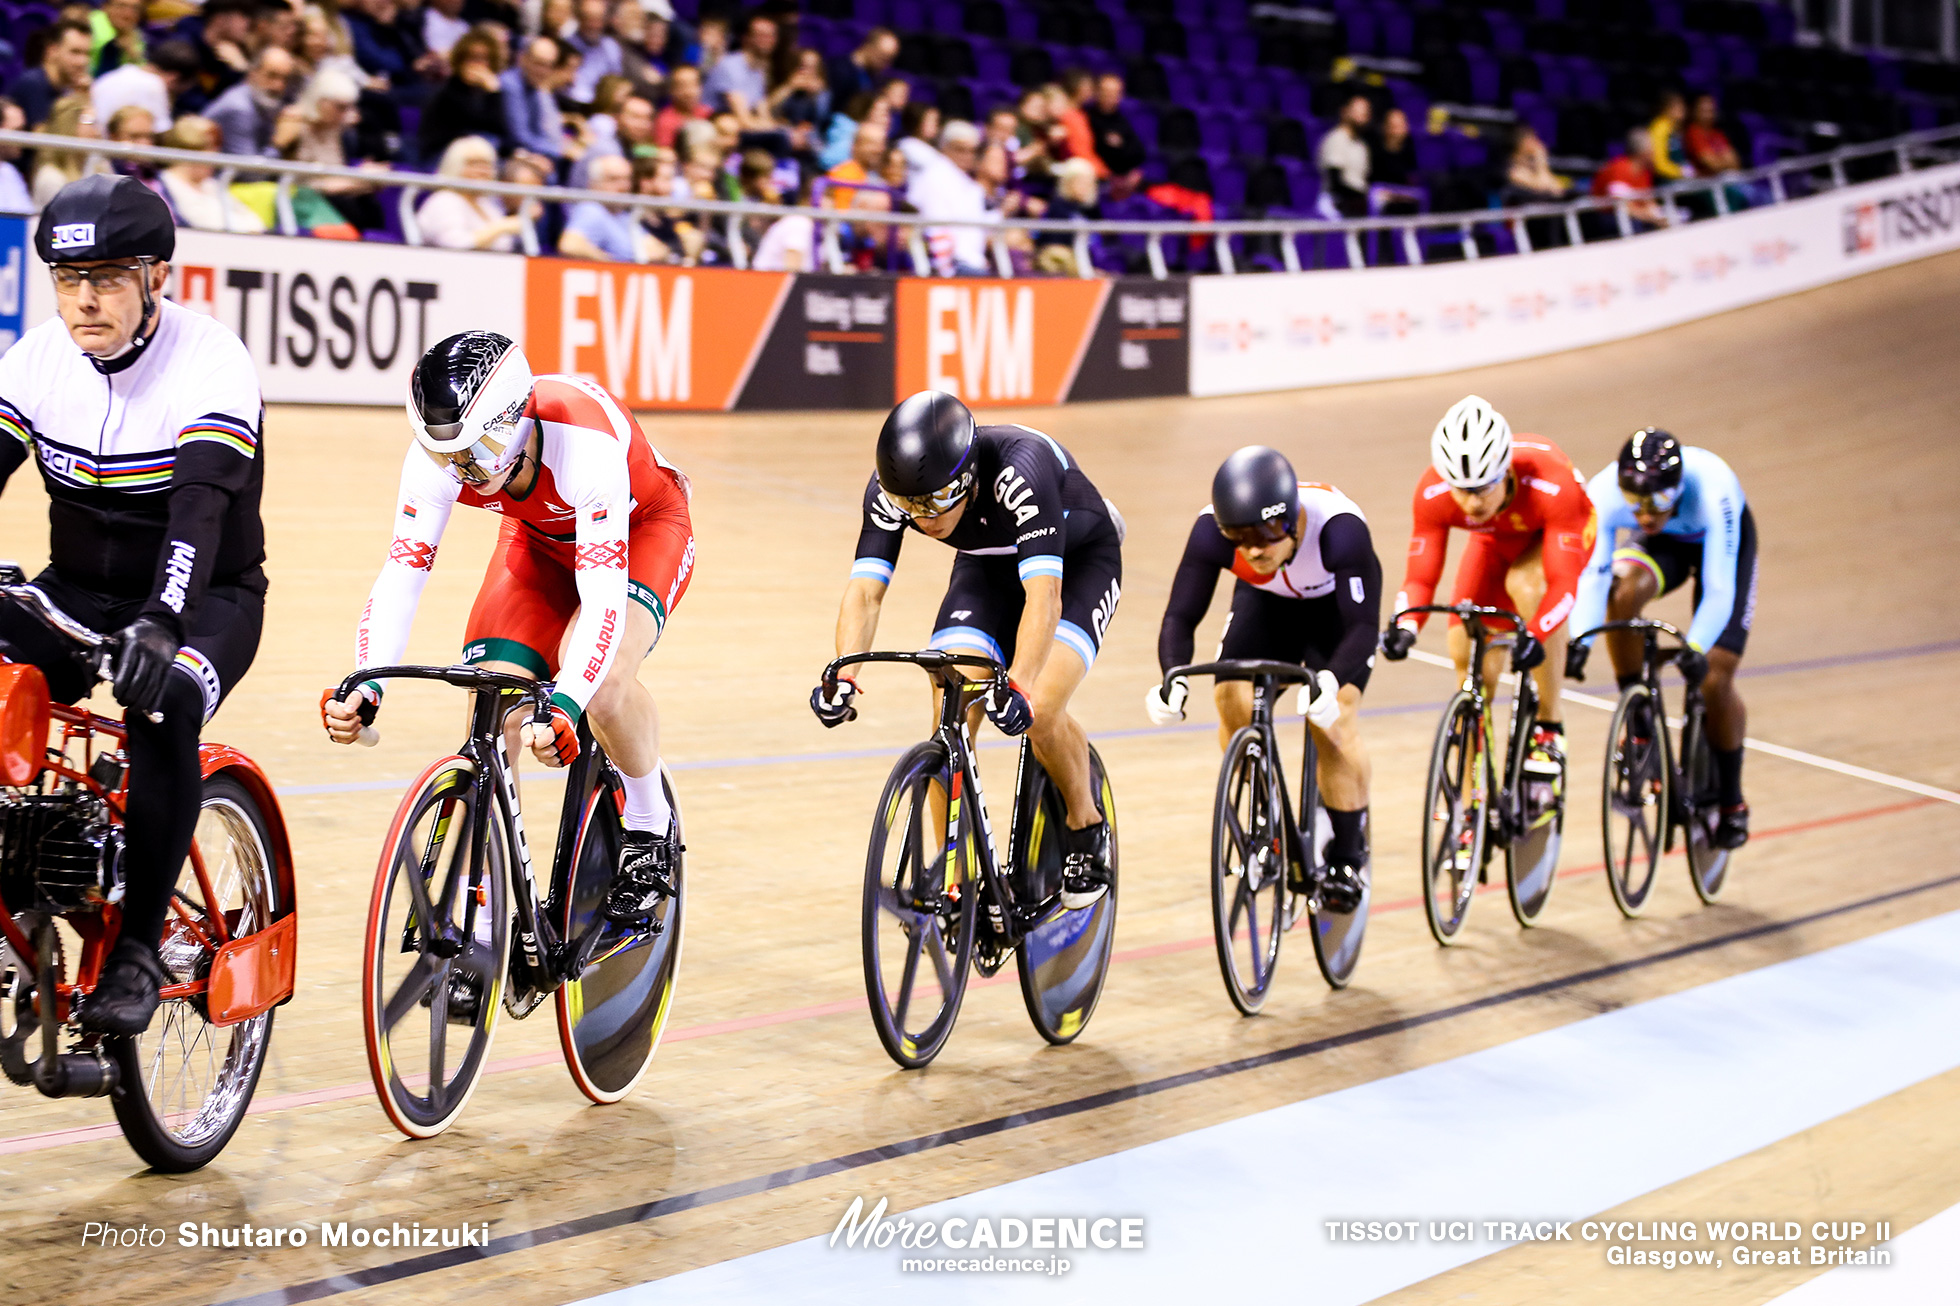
(466, 400)
(1471, 447)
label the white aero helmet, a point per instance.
(466, 400)
(1471, 447)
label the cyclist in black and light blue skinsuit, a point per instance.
(1682, 514)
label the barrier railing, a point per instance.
(1774, 183)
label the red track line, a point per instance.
(289, 1101)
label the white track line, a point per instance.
(1759, 745)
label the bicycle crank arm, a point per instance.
(76, 1074)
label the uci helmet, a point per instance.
(466, 400)
(1471, 446)
(1255, 497)
(1650, 470)
(925, 454)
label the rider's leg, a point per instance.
(1636, 581)
(1728, 719)
(626, 721)
(1343, 772)
(1525, 584)
(1060, 743)
(1234, 699)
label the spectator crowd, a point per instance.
(624, 97)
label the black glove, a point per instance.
(1527, 653)
(1693, 664)
(148, 649)
(1397, 640)
(1575, 661)
(832, 702)
(1007, 707)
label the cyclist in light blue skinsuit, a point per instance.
(1668, 513)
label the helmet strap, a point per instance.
(145, 328)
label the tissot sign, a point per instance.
(331, 321)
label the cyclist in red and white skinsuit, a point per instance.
(595, 551)
(1531, 527)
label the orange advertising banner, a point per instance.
(995, 342)
(657, 337)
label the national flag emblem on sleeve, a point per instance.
(598, 515)
(408, 510)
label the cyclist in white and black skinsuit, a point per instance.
(145, 420)
(1309, 591)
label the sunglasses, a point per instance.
(936, 504)
(1256, 536)
(1656, 504)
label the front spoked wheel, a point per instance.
(1064, 959)
(1708, 865)
(438, 949)
(1531, 857)
(1249, 860)
(611, 1015)
(185, 1082)
(1455, 807)
(920, 904)
(1634, 805)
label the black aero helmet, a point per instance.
(105, 216)
(925, 453)
(1255, 497)
(1650, 468)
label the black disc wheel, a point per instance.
(437, 949)
(920, 903)
(611, 1015)
(1455, 826)
(1249, 860)
(1708, 865)
(1531, 857)
(1634, 804)
(1064, 958)
(184, 1083)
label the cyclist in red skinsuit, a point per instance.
(1531, 532)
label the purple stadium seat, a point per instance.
(1217, 130)
(1256, 95)
(1738, 57)
(875, 12)
(1551, 9)
(1485, 75)
(1782, 24)
(1228, 15)
(1183, 85)
(1588, 79)
(1398, 27)
(1201, 47)
(1227, 189)
(813, 30)
(1129, 37)
(1249, 135)
(1554, 77)
(1023, 25)
(947, 16)
(1221, 90)
(1241, 53)
(1468, 153)
(1295, 100)
(1363, 29)
(908, 15)
(1506, 33)
(1146, 124)
(1192, 13)
(1432, 152)
(990, 62)
(1412, 100)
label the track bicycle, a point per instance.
(1467, 813)
(1266, 874)
(1647, 797)
(935, 889)
(230, 936)
(439, 961)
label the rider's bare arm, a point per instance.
(1036, 633)
(857, 615)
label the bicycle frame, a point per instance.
(1269, 680)
(1483, 642)
(1006, 916)
(1652, 658)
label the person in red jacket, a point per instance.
(1531, 527)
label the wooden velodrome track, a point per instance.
(1838, 409)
